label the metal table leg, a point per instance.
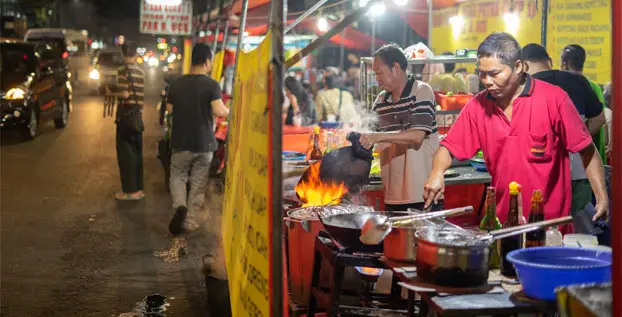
(338, 274)
(315, 281)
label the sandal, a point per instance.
(127, 196)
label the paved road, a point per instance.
(67, 247)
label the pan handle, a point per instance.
(501, 233)
(405, 220)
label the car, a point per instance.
(104, 69)
(34, 87)
(73, 47)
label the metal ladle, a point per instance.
(377, 227)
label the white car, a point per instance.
(103, 70)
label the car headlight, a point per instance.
(15, 93)
(94, 74)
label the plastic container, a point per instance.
(541, 269)
(478, 164)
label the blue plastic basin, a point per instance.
(542, 269)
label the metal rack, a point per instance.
(368, 78)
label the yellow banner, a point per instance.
(587, 23)
(468, 24)
(246, 209)
(217, 64)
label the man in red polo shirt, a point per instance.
(525, 128)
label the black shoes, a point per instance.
(176, 226)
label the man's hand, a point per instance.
(602, 210)
(434, 188)
(368, 140)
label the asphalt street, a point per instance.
(67, 247)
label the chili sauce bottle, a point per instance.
(509, 244)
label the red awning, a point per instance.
(353, 38)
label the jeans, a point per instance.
(130, 158)
(194, 167)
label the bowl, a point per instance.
(541, 269)
(478, 164)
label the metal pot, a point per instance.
(401, 245)
(452, 256)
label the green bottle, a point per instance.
(489, 223)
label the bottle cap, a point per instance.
(537, 196)
(514, 188)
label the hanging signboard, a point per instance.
(165, 19)
(247, 208)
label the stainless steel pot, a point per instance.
(452, 256)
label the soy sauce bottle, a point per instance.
(315, 152)
(536, 238)
(489, 223)
(510, 244)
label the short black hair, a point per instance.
(574, 56)
(128, 49)
(535, 53)
(449, 67)
(502, 46)
(201, 53)
(330, 81)
(392, 53)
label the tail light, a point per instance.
(65, 54)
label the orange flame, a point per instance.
(314, 192)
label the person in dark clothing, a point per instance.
(193, 100)
(300, 104)
(129, 140)
(539, 64)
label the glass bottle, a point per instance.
(316, 152)
(509, 244)
(536, 238)
(329, 146)
(554, 237)
(491, 222)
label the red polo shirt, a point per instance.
(532, 149)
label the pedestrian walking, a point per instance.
(193, 100)
(129, 140)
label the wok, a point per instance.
(349, 165)
(345, 229)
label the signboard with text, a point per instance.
(586, 23)
(166, 19)
(246, 225)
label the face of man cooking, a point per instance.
(385, 74)
(499, 79)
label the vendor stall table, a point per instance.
(496, 298)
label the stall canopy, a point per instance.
(414, 13)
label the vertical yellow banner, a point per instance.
(246, 209)
(217, 65)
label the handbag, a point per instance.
(130, 118)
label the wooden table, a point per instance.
(496, 298)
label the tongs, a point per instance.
(377, 227)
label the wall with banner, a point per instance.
(479, 19)
(247, 204)
(587, 23)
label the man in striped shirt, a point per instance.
(130, 93)
(406, 134)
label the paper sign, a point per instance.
(166, 19)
